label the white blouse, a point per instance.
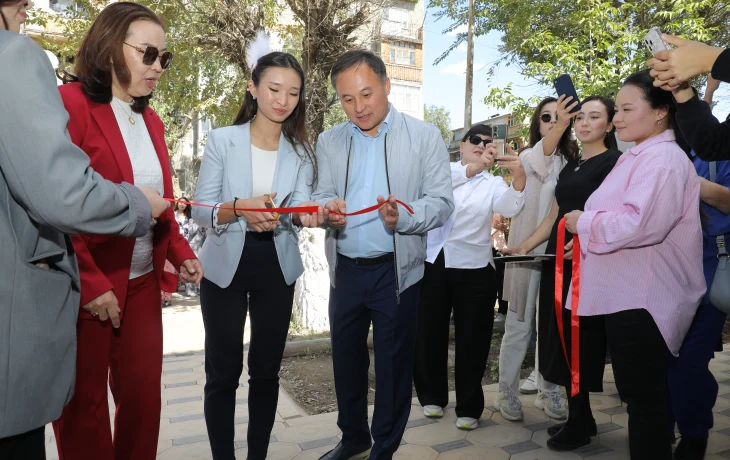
(147, 173)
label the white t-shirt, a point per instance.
(263, 165)
(147, 173)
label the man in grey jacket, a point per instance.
(376, 259)
(47, 189)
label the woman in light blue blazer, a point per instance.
(251, 259)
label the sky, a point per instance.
(444, 84)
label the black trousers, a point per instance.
(365, 295)
(26, 446)
(640, 358)
(472, 293)
(258, 287)
(503, 304)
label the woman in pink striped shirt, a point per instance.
(641, 258)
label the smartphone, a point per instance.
(564, 86)
(653, 41)
(271, 204)
(499, 138)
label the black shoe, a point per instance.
(592, 429)
(690, 448)
(348, 451)
(569, 438)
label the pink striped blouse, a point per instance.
(641, 239)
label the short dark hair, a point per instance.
(357, 58)
(477, 129)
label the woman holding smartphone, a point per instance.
(252, 258)
(542, 162)
(460, 271)
(577, 181)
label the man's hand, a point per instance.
(312, 220)
(336, 206)
(191, 271)
(389, 212)
(157, 203)
(670, 68)
(105, 307)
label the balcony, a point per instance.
(404, 72)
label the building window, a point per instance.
(402, 53)
(397, 15)
(406, 98)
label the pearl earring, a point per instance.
(658, 123)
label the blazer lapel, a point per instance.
(158, 141)
(238, 162)
(104, 116)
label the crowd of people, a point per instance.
(85, 264)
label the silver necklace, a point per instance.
(128, 114)
(580, 163)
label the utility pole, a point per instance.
(469, 68)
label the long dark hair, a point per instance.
(104, 44)
(566, 146)
(295, 126)
(609, 139)
(658, 98)
(188, 211)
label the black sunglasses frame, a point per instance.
(547, 118)
(474, 139)
(151, 54)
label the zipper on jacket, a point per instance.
(395, 252)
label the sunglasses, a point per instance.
(547, 118)
(151, 54)
(476, 140)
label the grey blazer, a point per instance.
(225, 174)
(46, 189)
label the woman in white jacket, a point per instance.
(543, 161)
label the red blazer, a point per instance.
(104, 260)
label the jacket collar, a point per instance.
(666, 136)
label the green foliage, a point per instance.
(597, 42)
(440, 118)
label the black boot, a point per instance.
(590, 427)
(690, 448)
(570, 437)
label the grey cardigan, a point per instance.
(46, 189)
(419, 175)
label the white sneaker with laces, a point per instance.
(529, 386)
(466, 423)
(552, 403)
(509, 405)
(433, 411)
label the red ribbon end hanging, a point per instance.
(574, 360)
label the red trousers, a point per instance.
(130, 360)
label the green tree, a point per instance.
(440, 118)
(597, 42)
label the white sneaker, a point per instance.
(433, 411)
(552, 403)
(529, 386)
(509, 405)
(467, 423)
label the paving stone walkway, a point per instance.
(298, 436)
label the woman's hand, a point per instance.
(191, 271)
(105, 307)
(566, 105)
(670, 68)
(259, 221)
(518, 251)
(313, 220)
(569, 250)
(571, 221)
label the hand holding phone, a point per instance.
(564, 86)
(653, 41)
(500, 138)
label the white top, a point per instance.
(263, 165)
(466, 237)
(147, 173)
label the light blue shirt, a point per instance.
(366, 235)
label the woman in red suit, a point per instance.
(117, 66)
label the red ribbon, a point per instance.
(300, 209)
(574, 360)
